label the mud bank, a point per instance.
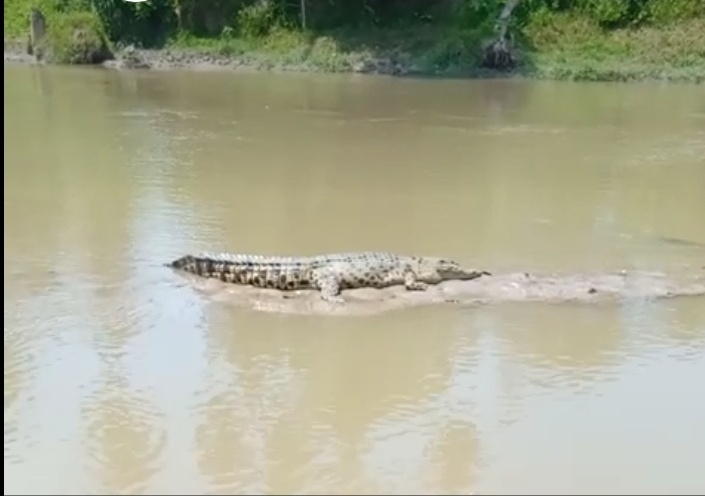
(16, 53)
(501, 288)
(170, 59)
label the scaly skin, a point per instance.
(327, 273)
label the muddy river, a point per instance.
(123, 377)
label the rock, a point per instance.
(364, 66)
(129, 58)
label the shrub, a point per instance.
(76, 38)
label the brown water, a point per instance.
(120, 377)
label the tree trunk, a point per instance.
(37, 34)
(497, 53)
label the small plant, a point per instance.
(228, 33)
(257, 20)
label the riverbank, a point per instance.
(561, 49)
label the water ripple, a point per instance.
(125, 439)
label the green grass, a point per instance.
(560, 47)
(426, 49)
(16, 18)
(76, 38)
(73, 36)
(281, 48)
(565, 47)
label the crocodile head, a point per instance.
(441, 269)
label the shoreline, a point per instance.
(195, 59)
(541, 66)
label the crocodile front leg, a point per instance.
(328, 285)
(411, 283)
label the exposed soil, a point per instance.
(510, 287)
(166, 59)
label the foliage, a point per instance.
(575, 38)
(142, 23)
(75, 33)
(150, 22)
(668, 11)
(258, 19)
(76, 38)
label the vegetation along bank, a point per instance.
(615, 40)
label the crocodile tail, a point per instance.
(188, 263)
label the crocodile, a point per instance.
(329, 274)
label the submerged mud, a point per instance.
(510, 287)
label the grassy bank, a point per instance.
(568, 44)
(74, 35)
(558, 48)
(564, 47)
